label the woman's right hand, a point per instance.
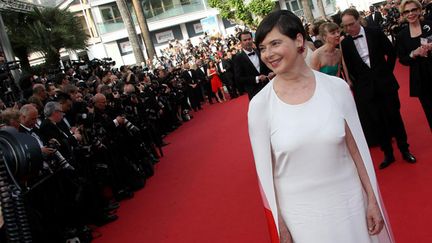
(421, 51)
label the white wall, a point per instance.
(97, 51)
(114, 52)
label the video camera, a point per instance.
(106, 63)
(20, 158)
(8, 66)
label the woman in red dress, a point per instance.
(215, 81)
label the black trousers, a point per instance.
(426, 102)
(382, 114)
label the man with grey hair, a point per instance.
(28, 118)
(49, 129)
(39, 96)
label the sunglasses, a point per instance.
(408, 11)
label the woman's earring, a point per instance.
(300, 49)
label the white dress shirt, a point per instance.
(221, 69)
(362, 47)
(254, 59)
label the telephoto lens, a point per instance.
(131, 127)
(59, 162)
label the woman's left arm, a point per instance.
(315, 62)
(374, 218)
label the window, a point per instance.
(110, 14)
(168, 4)
(294, 5)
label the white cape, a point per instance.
(259, 115)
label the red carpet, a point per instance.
(205, 188)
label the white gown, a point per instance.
(314, 179)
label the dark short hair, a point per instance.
(60, 77)
(62, 97)
(351, 11)
(287, 23)
(244, 32)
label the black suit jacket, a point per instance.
(189, 78)
(200, 75)
(374, 22)
(245, 73)
(49, 130)
(378, 79)
(228, 75)
(420, 67)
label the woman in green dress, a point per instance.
(328, 58)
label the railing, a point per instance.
(153, 14)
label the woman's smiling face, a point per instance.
(279, 52)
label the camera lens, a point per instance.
(22, 152)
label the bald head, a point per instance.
(129, 89)
(99, 101)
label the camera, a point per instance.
(8, 66)
(131, 127)
(58, 162)
(20, 159)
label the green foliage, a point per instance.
(54, 29)
(261, 7)
(234, 10)
(17, 29)
(224, 8)
(47, 31)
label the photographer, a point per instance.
(111, 131)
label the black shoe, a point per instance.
(111, 207)
(387, 161)
(124, 194)
(108, 218)
(409, 157)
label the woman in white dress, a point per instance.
(316, 176)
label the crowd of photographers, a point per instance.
(101, 130)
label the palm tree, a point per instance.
(54, 29)
(130, 28)
(145, 33)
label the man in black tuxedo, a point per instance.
(374, 85)
(28, 118)
(249, 70)
(374, 19)
(225, 69)
(193, 88)
(201, 76)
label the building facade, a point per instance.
(167, 20)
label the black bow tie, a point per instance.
(251, 53)
(356, 37)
